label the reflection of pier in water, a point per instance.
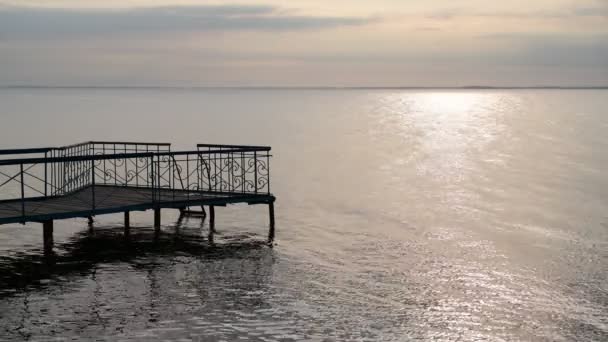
(182, 271)
(96, 178)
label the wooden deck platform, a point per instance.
(115, 199)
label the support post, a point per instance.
(90, 225)
(271, 216)
(127, 223)
(210, 235)
(157, 221)
(178, 224)
(47, 236)
(203, 210)
(212, 218)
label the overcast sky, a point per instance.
(304, 43)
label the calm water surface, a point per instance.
(402, 215)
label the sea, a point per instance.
(401, 215)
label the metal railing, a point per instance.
(218, 169)
(236, 168)
(60, 178)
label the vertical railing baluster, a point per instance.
(103, 172)
(68, 183)
(63, 173)
(84, 171)
(74, 183)
(159, 179)
(158, 165)
(55, 172)
(199, 186)
(126, 176)
(69, 173)
(92, 154)
(148, 170)
(115, 167)
(243, 170)
(136, 168)
(151, 175)
(171, 172)
(83, 167)
(79, 169)
(76, 170)
(230, 157)
(231, 184)
(187, 177)
(51, 175)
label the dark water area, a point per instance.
(401, 215)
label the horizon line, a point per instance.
(469, 87)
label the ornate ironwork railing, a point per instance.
(222, 169)
(235, 168)
(60, 178)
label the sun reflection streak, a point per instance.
(449, 103)
(449, 132)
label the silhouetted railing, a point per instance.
(235, 168)
(218, 169)
(60, 178)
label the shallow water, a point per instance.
(401, 215)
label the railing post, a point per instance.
(93, 183)
(152, 177)
(255, 171)
(22, 193)
(45, 176)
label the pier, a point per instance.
(99, 177)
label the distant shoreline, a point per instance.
(304, 87)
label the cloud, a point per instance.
(36, 22)
(592, 11)
(552, 49)
(599, 9)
